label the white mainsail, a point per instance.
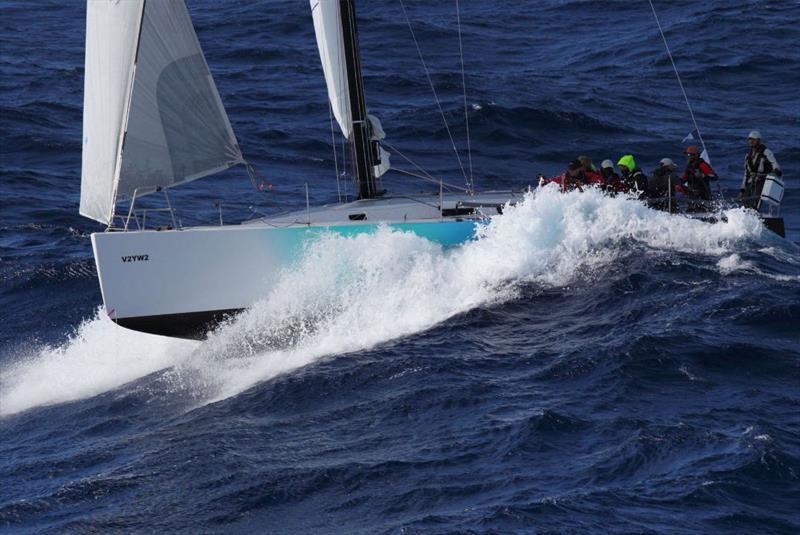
(328, 29)
(152, 115)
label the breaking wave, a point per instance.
(352, 293)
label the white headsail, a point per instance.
(112, 30)
(328, 29)
(152, 114)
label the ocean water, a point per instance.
(585, 365)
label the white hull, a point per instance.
(181, 282)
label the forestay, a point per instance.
(152, 115)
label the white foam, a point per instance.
(734, 263)
(351, 293)
(97, 358)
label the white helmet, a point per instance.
(667, 162)
(607, 164)
(755, 134)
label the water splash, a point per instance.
(352, 293)
(98, 357)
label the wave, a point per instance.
(352, 293)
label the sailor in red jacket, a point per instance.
(697, 175)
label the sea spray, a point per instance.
(99, 356)
(351, 293)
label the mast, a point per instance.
(360, 143)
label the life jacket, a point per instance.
(575, 181)
(756, 162)
(699, 165)
(562, 180)
(611, 181)
(695, 186)
(593, 177)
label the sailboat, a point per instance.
(153, 120)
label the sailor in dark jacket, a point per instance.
(633, 179)
(697, 177)
(574, 176)
(758, 163)
(611, 180)
(661, 186)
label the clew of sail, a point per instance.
(328, 29)
(152, 115)
(378, 134)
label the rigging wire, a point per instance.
(433, 89)
(431, 180)
(256, 179)
(425, 175)
(406, 158)
(470, 181)
(678, 76)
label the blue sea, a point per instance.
(587, 365)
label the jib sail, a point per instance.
(152, 115)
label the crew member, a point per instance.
(696, 179)
(758, 163)
(574, 177)
(587, 164)
(611, 181)
(661, 186)
(591, 175)
(631, 176)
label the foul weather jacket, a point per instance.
(635, 180)
(661, 188)
(758, 163)
(696, 179)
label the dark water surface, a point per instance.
(587, 366)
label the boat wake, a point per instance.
(352, 293)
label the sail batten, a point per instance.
(165, 115)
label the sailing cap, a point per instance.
(755, 134)
(607, 164)
(628, 162)
(667, 162)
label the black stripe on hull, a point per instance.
(775, 224)
(191, 325)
